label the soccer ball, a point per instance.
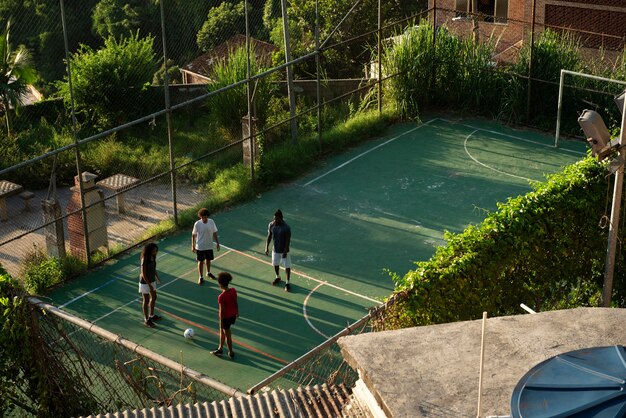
(189, 333)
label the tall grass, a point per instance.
(450, 72)
(229, 106)
(552, 52)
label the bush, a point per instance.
(542, 249)
(109, 83)
(42, 272)
(229, 106)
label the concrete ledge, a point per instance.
(432, 371)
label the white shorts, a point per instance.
(278, 260)
(145, 289)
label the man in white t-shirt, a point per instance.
(202, 237)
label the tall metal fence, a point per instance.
(150, 101)
(117, 374)
(139, 103)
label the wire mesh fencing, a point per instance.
(325, 363)
(155, 99)
(117, 374)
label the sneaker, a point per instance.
(217, 352)
(212, 276)
(148, 322)
(276, 281)
(287, 287)
(200, 280)
(156, 317)
(231, 355)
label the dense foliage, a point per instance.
(229, 106)
(551, 53)
(545, 249)
(450, 72)
(32, 381)
(222, 23)
(16, 73)
(109, 84)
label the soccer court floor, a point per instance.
(359, 217)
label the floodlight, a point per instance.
(596, 132)
(619, 101)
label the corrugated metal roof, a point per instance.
(303, 402)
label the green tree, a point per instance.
(115, 18)
(223, 22)
(38, 26)
(344, 61)
(109, 84)
(16, 74)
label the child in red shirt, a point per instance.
(227, 314)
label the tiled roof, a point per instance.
(304, 402)
(204, 63)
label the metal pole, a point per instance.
(607, 288)
(559, 109)
(168, 115)
(75, 133)
(251, 126)
(380, 59)
(530, 62)
(480, 372)
(290, 92)
(560, 105)
(318, 71)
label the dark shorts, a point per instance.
(202, 255)
(227, 322)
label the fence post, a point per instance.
(168, 115)
(54, 231)
(249, 143)
(380, 58)
(318, 70)
(251, 128)
(530, 62)
(290, 92)
(75, 134)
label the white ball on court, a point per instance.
(189, 333)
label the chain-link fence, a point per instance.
(150, 100)
(115, 373)
(325, 364)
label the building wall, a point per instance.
(587, 17)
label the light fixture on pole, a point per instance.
(602, 146)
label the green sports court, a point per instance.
(356, 220)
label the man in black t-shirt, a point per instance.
(280, 232)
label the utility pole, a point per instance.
(607, 288)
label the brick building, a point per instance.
(598, 23)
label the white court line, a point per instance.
(306, 276)
(306, 316)
(139, 299)
(115, 278)
(485, 165)
(161, 287)
(368, 151)
(512, 136)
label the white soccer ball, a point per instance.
(189, 333)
